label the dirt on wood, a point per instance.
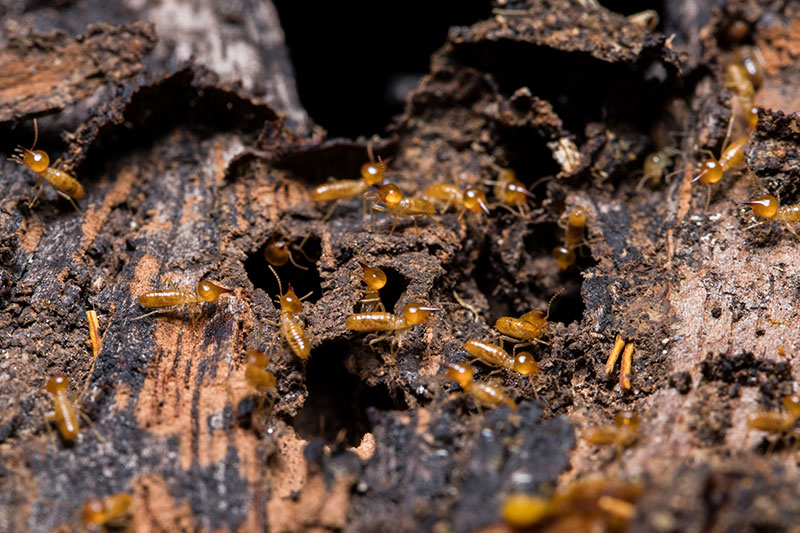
(190, 175)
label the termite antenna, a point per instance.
(35, 134)
(546, 316)
(280, 287)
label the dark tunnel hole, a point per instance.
(580, 88)
(567, 307)
(338, 400)
(353, 75)
(528, 155)
(487, 276)
(302, 281)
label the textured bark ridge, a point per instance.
(189, 175)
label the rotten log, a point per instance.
(190, 175)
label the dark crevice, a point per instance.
(396, 285)
(372, 54)
(301, 281)
(337, 403)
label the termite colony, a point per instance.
(591, 503)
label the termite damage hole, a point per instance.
(337, 403)
(302, 281)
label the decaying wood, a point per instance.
(189, 177)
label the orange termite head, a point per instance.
(390, 194)
(374, 277)
(37, 160)
(461, 373)
(56, 384)
(792, 403)
(373, 173)
(764, 206)
(416, 313)
(257, 358)
(94, 511)
(475, 200)
(577, 219)
(290, 302)
(710, 172)
(210, 291)
(277, 253)
(626, 419)
(525, 364)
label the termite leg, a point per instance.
(38, 189)
(164, 310)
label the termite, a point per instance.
(573, 238)
(413, 313)
(173, 297)
(371, 174)
(491, 354)
(256, 375)
(110, 511)
(527, 329)
(712, 170)
(472, 199)
(622, 434)
(511, 192)
(290, 326)
(375, 279)
(278, 252)
(777, 421)
(738, 80)
(655, 166)
(64, 414)
(39, 162)
(400, 206)
(752, 60)
(485, 395)
(769, 207)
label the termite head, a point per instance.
(525, 364)
(524, 510)
(37, 160)
(765, 206)
(257, 358)
(710, 172)
(577, 219)
(390, 194)
(415, 313)
(56, 384)
(626, 419)
(372, 173)
(475, 200)
(374, 277)
(94, 511)
(792, 403)
(277, 252)
(210, 291)
(461, 373)
(290, 302)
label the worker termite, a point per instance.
(375, 279)
(777, 421)
(473, 199)
(172, 297)
(290, 326)
(527, 329)
(739, 82)
(399, 206)
(64, 414)
(256, 376)
(751, 58)
(372, 173)
(622, 434)
(278, 251)
(39, 162)
(768, 206)
(110, 511)
(511, 192)
(712, 170)
(591, 504)
(485, 395)
(491, 354)
(655, 166)
(413, 313)
(573, 238)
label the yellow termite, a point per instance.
(290, 326)
(413, 313)
(39, 162)
(484, 394)
(472, 199)
(371, 174)
(491, 354)
(256, 376)
(172, 297)
(622, 434)
(767, 206)
(573, 238)
(511, 192)
(64, 414)
(109, 511)
(400, 206)
(527, 329)
(375, 279)
(777, 421)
